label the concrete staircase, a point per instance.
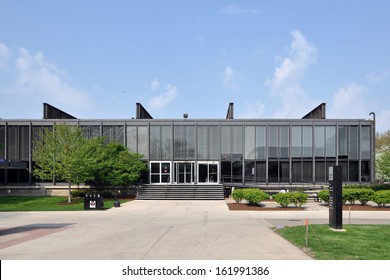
(181, 192)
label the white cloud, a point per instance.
(237, 10)
(153, 85)
(302, 54)
(41, 78)
(253, 111)
(4, 56)
(349, 101)
(229, 79)
(376, 78)
(161, 101)
(286, 82)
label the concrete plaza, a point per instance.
(161, 230)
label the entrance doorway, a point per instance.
(208, 172)
(184, 172)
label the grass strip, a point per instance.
(47, 203)
(358, 242)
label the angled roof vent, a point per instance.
(51, 112)
(229, 114)
(141, 112)
(317, 113)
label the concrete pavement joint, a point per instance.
(158, 240)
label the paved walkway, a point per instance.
(161, 230)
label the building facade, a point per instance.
(213, 151)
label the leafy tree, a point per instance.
(382, 140)
(115, 165)
(64, 153)
(383, 163)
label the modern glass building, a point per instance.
(213, 151)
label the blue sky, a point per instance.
(273, 59)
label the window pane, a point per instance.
(260, 171)
(13, 143)
(237, 142)
(273, 142)
(343, 142)
(366, 144)
(131, 138)
(307, 141)
(260, 142)
(284, 142)
(214, 142)
(250, 142)
(24, 141)
(166, 142)
(284, 171)
(155, 151)
(353, 171)
(179, 142)
(296, 142)
(296, 171)
(307, 171)
(320, 171)
(2, 142)
(202, 142)
(353, 142)
(143, 141)
(319, 141)
(330, 141)
(225, 142)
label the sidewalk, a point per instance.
(160, 230)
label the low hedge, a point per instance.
(296, 198)
(381, 198)
(238, 195)
(323, 195)
(252, 196)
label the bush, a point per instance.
(255, 196)
(323, 195)
(381, 198)
(298, 198)
(282, 198)
(252, 196)
(238, 195)
(364, 195)
(350, 195)
(380, 187)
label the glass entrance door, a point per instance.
(208, 172)
(184, 172)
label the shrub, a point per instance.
(323, 195)
(298, 198)
(364, 195)
(254, 196)
(350, 195)
(238, 195)
(380, 187)
(381, 198)
(282, 198)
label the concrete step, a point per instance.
(181, 192)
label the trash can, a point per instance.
(93, 202)
(227, 192)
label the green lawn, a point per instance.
(359, 242)
(47, 203)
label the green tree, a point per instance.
(63, 153)
(383, 163)
(382, 140)
(115, 165)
